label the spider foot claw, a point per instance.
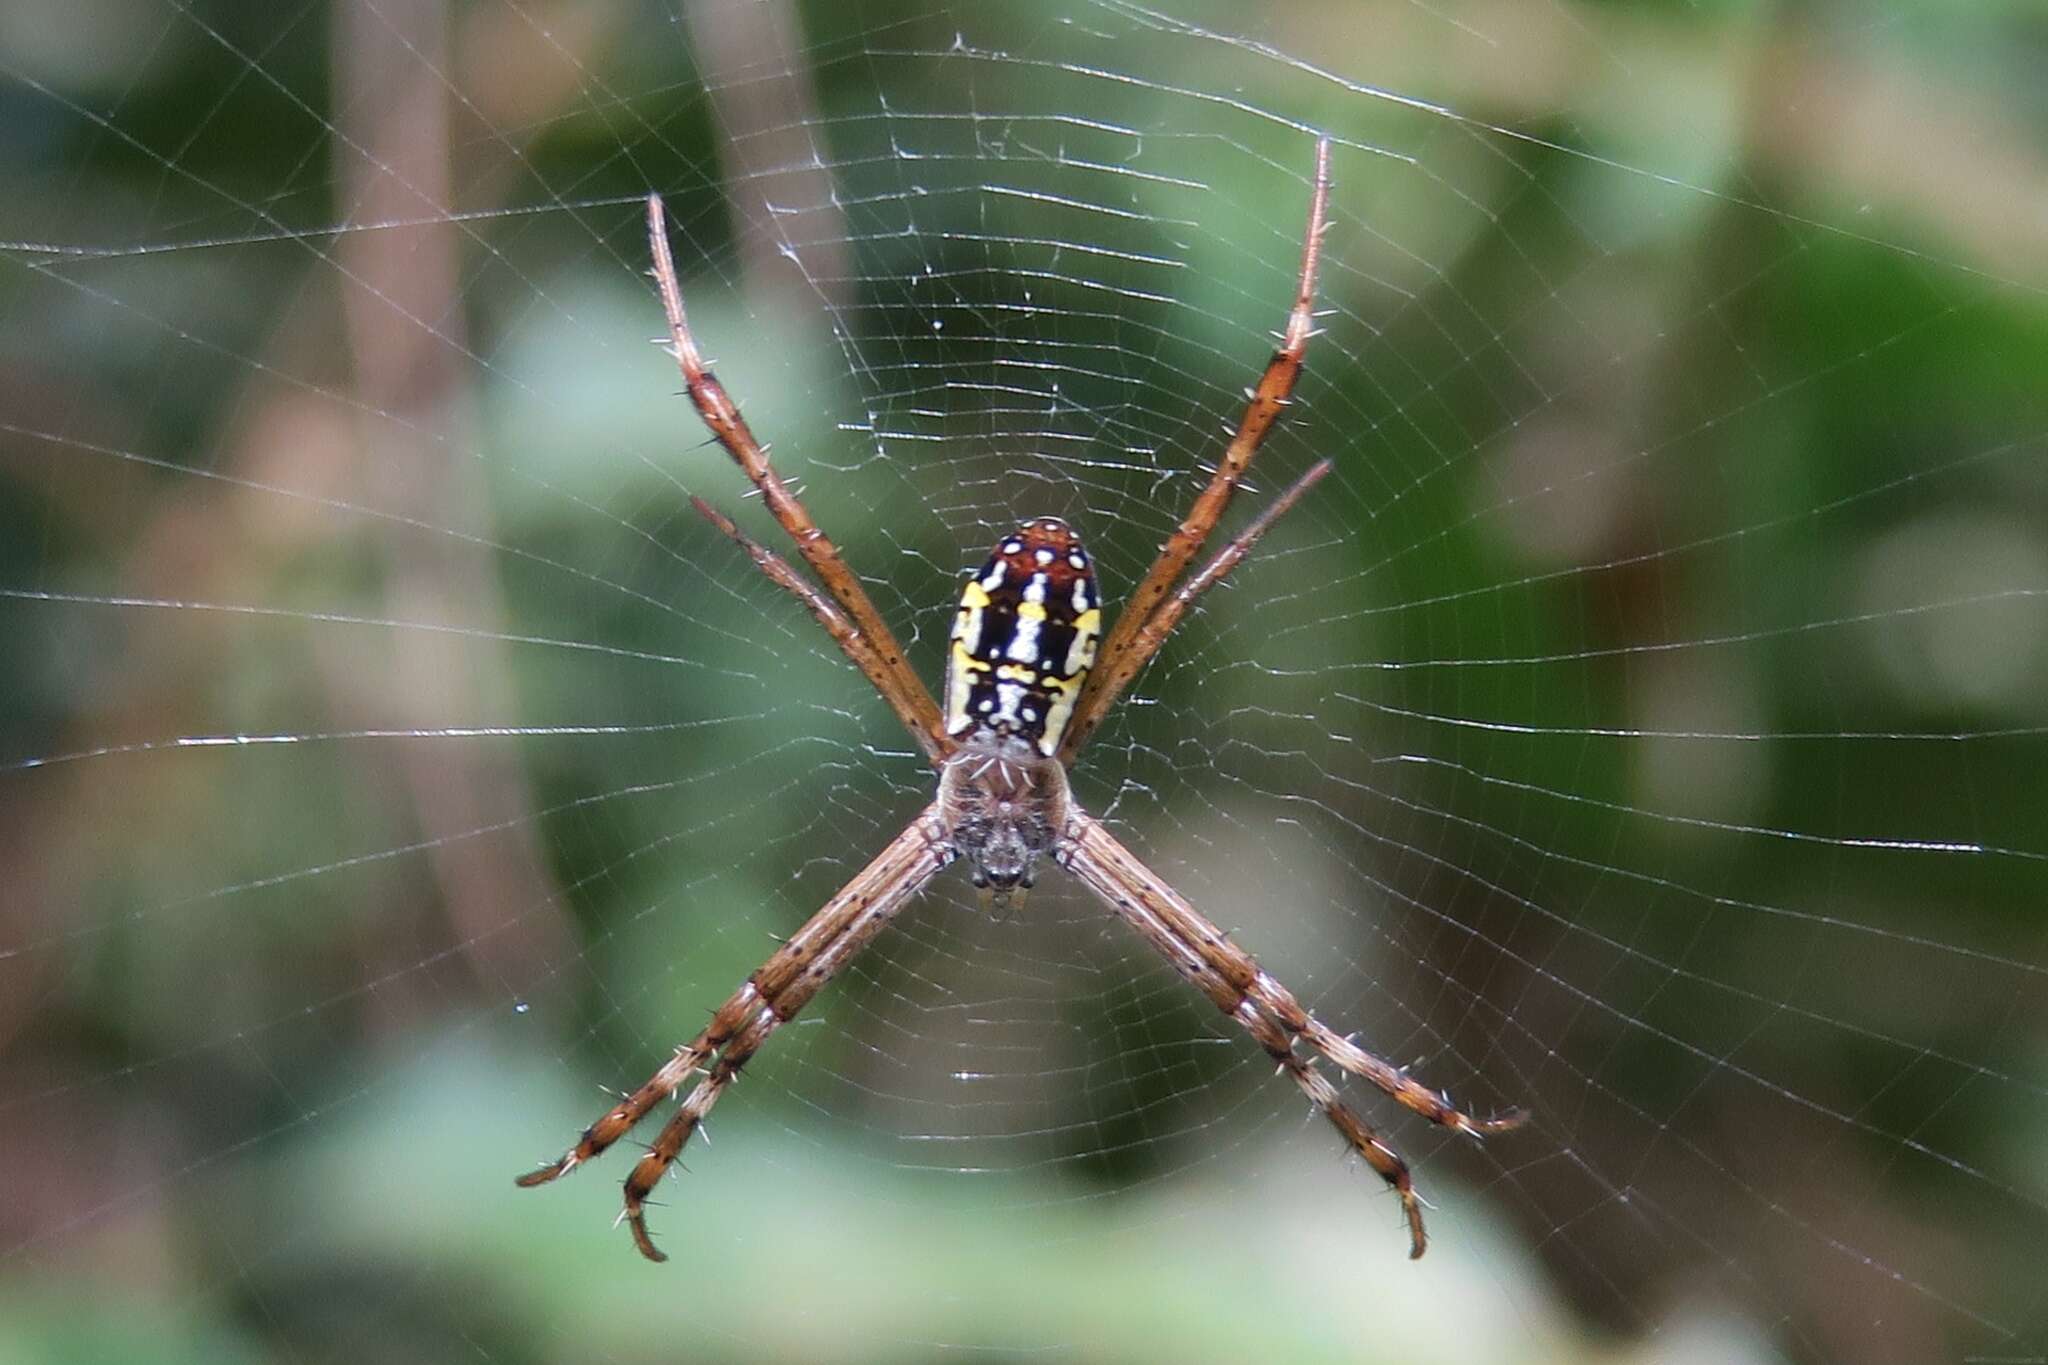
(1504, 1122)
(636, 1221)
(640, 1183)
(546, 1173)
(1418, 1238)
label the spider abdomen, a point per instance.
(1023, 640)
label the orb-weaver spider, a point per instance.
(1025, 687)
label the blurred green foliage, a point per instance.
(1643, 726)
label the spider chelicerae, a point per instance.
(1025, 687)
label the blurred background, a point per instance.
(1643, 724)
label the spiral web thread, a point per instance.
(1639, 725)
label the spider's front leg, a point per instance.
(769, 998)
(1124, 652)
(856, 626)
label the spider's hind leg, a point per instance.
(1357, 1132)
(1434, 1105)
(773, 995)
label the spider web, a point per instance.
(1641, 725)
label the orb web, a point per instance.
(1638, 726)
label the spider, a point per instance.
(1025, 687)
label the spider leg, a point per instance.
(1262, 409)
(1115, 672)
(884, 664)
(1433, 1105)
(1363, 1138)
(621, 1117)
(1242, 989)
(844, 633)
(786, 984)
(668, 1145)
(1102, 850)
(783, 985)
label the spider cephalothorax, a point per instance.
(1024, 690)
(1003, 811)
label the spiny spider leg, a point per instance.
(1114, 672)
(1263, 408)
(1362, 1137)
(1106, 877)
(1242, 989)
(842, 630)
(1244, 974)
(884, 664)
(621, 1117)
(1347, 1055)
(786, 983)
(781, 987)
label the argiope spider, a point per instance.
(1024, 690)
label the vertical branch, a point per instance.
(403, 319)
(753, 63)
